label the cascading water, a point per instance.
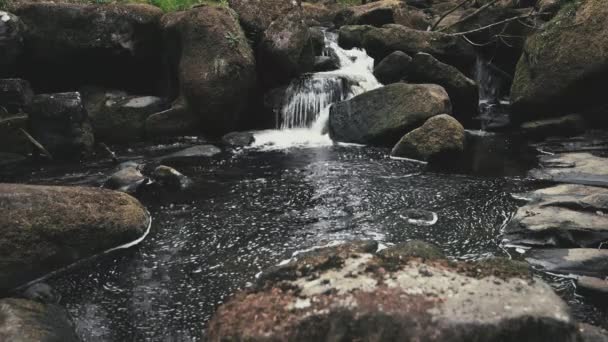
(303, 117)
(493, 96)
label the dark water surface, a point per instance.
(249, 210)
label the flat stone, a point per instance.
(583, 168)
(596, 288)
(191, 154)
(567, 215)
(591, 262)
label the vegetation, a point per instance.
(165, 5)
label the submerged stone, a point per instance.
(191, 154)
(576, 168)
(591, 262)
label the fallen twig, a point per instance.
(472, 15)
(37, 144)
(496, 24)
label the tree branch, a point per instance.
(472, 15)
(496, 24)
(448, 13)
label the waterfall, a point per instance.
(493, 96)
(303, 117)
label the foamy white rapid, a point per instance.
(304, 115)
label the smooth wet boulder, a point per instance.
(381, 116)
(325, 63)
(111, 44)
(215, 66)
(15, 95)
(117, 117)
(341, 293)
(46, 228)
(440, 137)
(127, 179)
(567, 53)
(170, 177)
(286, 50)
(463, 91)
(22, 320)
(393, 68)
(191, 154)
(578, 168)
(11, 42)
(591, 262)
(175, 121)
(382, 12)
(380, 42)
(61, 124)
(567, 215)
(238, 139)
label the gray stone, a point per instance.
(393, 68)
(60, 123)
(191, 154)
(23, 320)
(238, 139)
(577, 168)
(128, 179)
(382, 116)
(168, 176)
(591, 262)
(562, 216)
(46, 228)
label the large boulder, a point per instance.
(441, 137)
(393, 68)
(286, 50)
(23, 320)
(567, 53)
(463, 91)
(45, 228)
(380, 42)
(382, 116)
(11, 43)
(114, 45)
(60, 123)
(256, 15)
(215, 66)
(15, 95)
(566, 215)
(117, 117)
(342, 293)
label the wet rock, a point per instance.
(23, 320)
(60, 123)
(45, 228)
(15, 96)
(566, 215)
(286, 50)
(238, 139)
(317, 37)
(577, 168)
(440, 137)
(379, 13)
(191, 154)
(382, 116)
(215, 66)
(127, 179)
(351, 36)
(590, 333)
(42, 293)
(463, 91)
(11, 42)
(591, 262)
(170, 177)
(120, 118)
(567, 52)
(325, 63)
(175, 121)
(594, 288)
(112, 44)
(380, 42)
(562, 126)
(393, 68)
(256, 15)
(419, 217)
(356, 294)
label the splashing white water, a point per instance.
(304, 116)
